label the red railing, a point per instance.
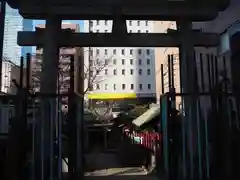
(146, 139)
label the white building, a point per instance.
(129, 70)
(9, 72)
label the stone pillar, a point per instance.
(188, 85)
(45, 167)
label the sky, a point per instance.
(69, 21)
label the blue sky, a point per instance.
(72, 21)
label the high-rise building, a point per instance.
(121, 72)
(14, 22)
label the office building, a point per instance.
(120, 72)
(14, 23)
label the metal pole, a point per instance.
(209, 73)
(72, 125)
(162, 79)
(2, 26)
(21, 72)
(28, 73)
(90, 61)
(201, 73)
(172, 69)
(169, 74)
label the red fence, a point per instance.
(146, 139)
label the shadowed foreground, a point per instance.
(104, 166)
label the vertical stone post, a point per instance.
(45, 158)
(189, 85)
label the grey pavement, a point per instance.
(105, 166)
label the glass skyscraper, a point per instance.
(14, 23)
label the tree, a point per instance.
(94, 73)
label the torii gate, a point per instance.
(183, 12)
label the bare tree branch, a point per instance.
(93, 73)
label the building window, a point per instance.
(123, 86)
(131, 71)
(97, 72)
(138, 23)
(106, 22)
(114, 51)
(106, 71)
(131, 61)
(105, 51)
(123, 61)
(139, 62)
(123, 71)
(130, 23)
(114, 61)
(97, 52)
(146, 23)
(114, 87)
(148, 52)
(148, 72)
(98, 61)
(97, 22)
(98, 86)
(123, 51)
(140, 72)
(139, 51)
(140, 86)
(131, 52)
(149, 86)
(106, 86)
(106, 62)
(148, 61)
(115, 72)
(132, 86)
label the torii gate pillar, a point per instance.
(44, 145)
(189, 85)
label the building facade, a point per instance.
(64, 65)
(120, 71)
(10, 71)
(14, 23)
